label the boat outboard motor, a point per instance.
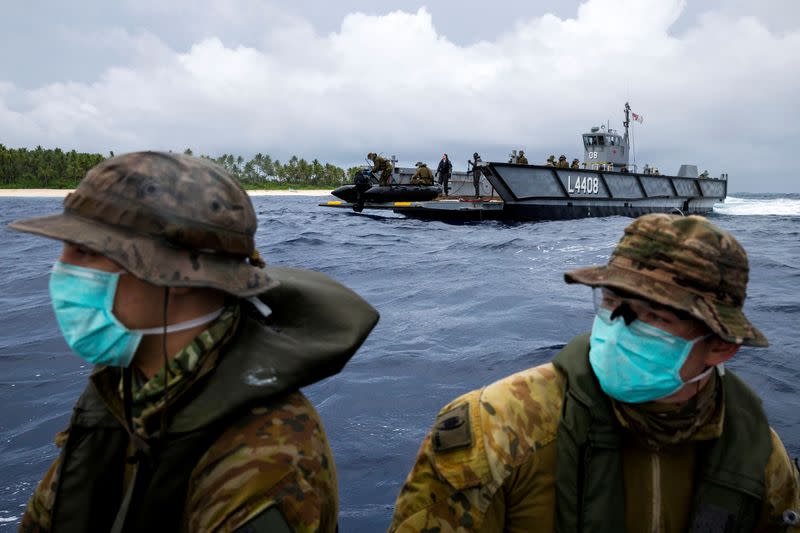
(363, 183)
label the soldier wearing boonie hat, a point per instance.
(192, 419)
(423, 176)
(635, 427)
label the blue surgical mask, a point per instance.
(638, 362)
(83, 301)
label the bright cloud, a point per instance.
(722, 94)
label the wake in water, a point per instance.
(760, 205)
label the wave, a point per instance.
(781, 206)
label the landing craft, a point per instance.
(603, 186)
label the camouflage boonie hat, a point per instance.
(685, 263)
(171, 220)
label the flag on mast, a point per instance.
(637, 118)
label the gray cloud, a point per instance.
(716, 85)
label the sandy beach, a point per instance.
(60, 193)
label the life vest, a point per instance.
(590, 492)
(306, 339)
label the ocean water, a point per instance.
(461, 306)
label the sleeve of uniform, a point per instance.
(782, 491)
(478, 469)
(38, 513)
(271, 469)
(443, 492)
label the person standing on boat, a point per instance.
(521, 159)
(423, 176)
(562, 162)
(551, 161)
(443, 172)
(192, 419)
(575, 163)
(472, 167)
(382, 167)
(635, 427)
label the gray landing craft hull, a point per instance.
(534, 192)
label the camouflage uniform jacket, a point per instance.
(489, 464)
(522, 160)
(273, 455)
(382, 166)
(423, 176)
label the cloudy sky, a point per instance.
(717, 81)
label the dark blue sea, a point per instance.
(461, 306)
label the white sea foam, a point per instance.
(759, 206)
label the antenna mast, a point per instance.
(627, 120)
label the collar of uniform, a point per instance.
(657, 425)
(192, 362)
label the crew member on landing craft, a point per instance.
(192, 419)
(382, 167)
(472, 167)
(423, 175)
(575, 163)
(551, 161)
(562, 162)
(521, 159)
(636, 427)
(444, 171)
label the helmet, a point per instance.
(562, 156)
(551, 158)
(476, 156)
(372, 155)
(521, 152)
(420, 164)
(575, 160)
(686, 263)
(171, 220)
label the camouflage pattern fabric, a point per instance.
(451, 490)
(423, 176)
(686, 263)
(383, 168)
(168, 219)
(501, 476)
(148, 396)
(575, 164)
(276, 455)
(522, 160)
(562, 162)
(656, 424)
(551, 161)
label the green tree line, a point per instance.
(57, 169)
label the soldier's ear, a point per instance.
(719, 351)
